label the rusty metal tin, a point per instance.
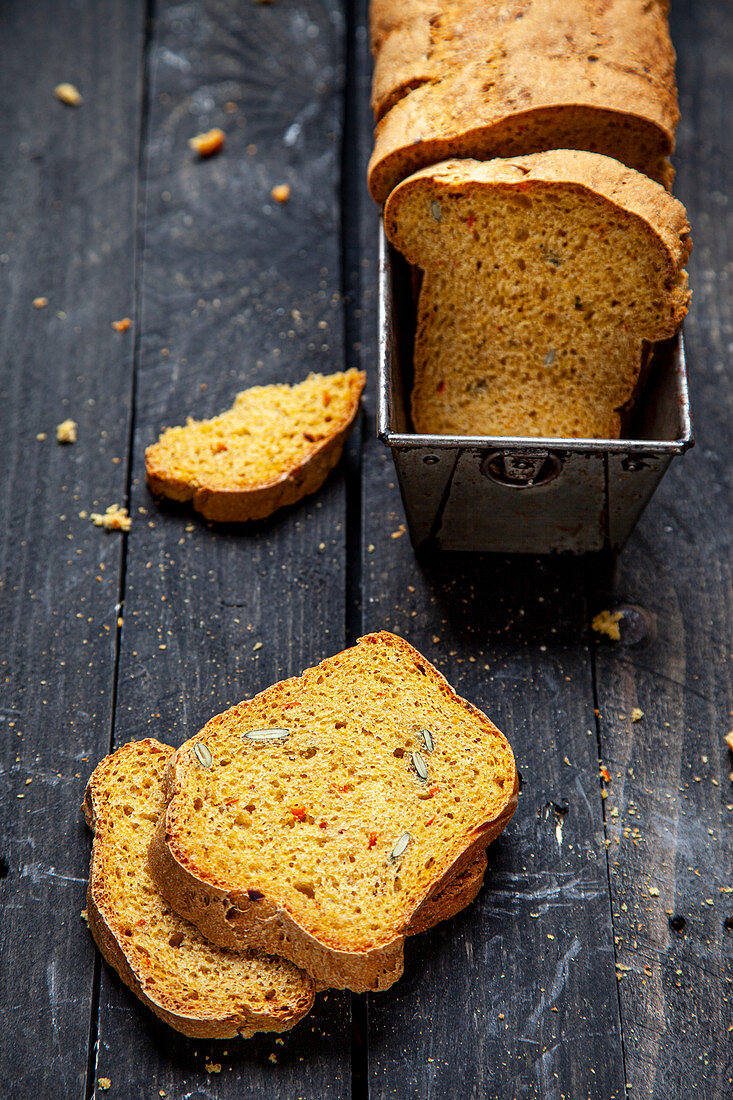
(496, 493)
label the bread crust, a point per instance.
(225, 505)
(469, 79)
(230, 917)
(107, 932)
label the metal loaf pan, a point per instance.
(496, 493)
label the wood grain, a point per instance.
(670, 806)
(67, 235)
(235, 290)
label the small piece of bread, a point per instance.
(544, 277)
(466, 78)
(197, 988)
(274, 446)
(320, 818)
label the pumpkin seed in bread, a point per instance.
(274, 446)
(292, 838)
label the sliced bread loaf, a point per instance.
(476, 80)
(197, 988)
(320, 818)
(543, 277)
(274, 446)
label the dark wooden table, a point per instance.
(597, 960)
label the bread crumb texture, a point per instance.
(68, 94)
(277, 441)
(606, 622)
(199, 988)
(383, 777)
(543, 278)
(206, 145)
(66, 431)
(114, 518)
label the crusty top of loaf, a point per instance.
(480, 80)
(312, 822)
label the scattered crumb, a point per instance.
(104, 1083)
(729, 740)
(653, 892)
(606, 622)
(436, 639)
(256, 646)
(40, 303)
(71, 96)
(206, 145)
(637, 714)
(371, 547)
(114, 519)
(273, 1057)
(281, 192)
(85, 917)
(213, 1067)
(280, 1042)
(123, 325)
(41, 436)
(399, 532)
(66, 431)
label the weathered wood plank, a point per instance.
(67, 234)
(670, 805)
(517, 996)
(236, 290)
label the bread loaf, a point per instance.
(543, 277)
(465, 78)
(320, 818)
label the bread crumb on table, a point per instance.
(637, 714)
(66, 431)
(104, 1083)
(281, 192)
(729, 740)
(41, 436)
(606, 622)
(209, 143)
(40, 303)
(123, 325)
(114, 519)
(68, 94)
(213, 1067)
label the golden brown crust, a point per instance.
(241, 505)
(231, 917)
(480, 81)
(108, 928)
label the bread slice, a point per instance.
(474, 80)
(544, 275)
(327, 841)
(274, 446)
(197, 988)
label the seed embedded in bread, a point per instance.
(544, 276)
(274, 446)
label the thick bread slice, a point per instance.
(476, 80)
(274, 446)
(326, 845)
(199, 989)
(544, 275)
